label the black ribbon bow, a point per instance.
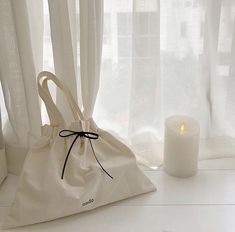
(88, 135)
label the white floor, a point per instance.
(205, 202)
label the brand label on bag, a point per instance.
(88, 202)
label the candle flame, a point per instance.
(182, 128)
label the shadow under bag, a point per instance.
(73, 167)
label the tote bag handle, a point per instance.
(78, 115)
(54, 114)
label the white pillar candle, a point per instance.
(181, 146)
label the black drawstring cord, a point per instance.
(89, 135)
(99, 161)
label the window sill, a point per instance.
(204, 202)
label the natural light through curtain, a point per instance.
(160, 57)
(169, 57)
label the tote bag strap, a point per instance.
(73, 105)
(54, 114)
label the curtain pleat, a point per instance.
(3, 163)
(63, 23)
(18, 76)
(91, 35)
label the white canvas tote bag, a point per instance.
(73, 168)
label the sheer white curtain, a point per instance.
(76, 38)
(129, 99)
(168, 57)
(26, 49)
(64, 24)
(159, 58)
(21, 36)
